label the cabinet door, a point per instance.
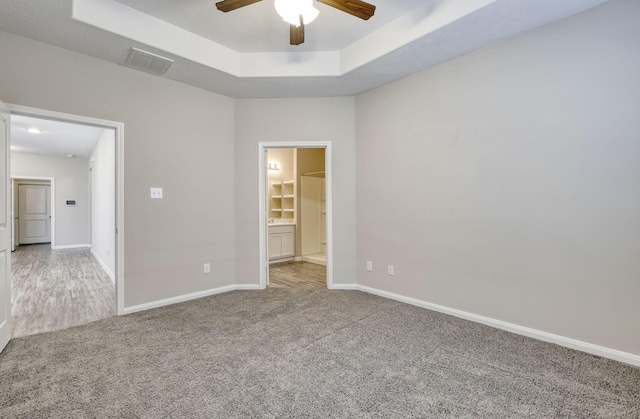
(288, 244)
(275, 245)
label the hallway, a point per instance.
(57, 289)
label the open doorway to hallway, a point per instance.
(64, 208)
(296, 212)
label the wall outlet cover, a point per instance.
(156, 193)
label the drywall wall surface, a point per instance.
(506, 183)
(277, 120)
(174, 134)
(284, 158)
(71, 183)
(102, 166)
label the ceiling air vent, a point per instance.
(146, 61)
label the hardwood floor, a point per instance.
(297, 275)
(56, 289)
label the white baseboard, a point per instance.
(343, 287)
(70, 246)
(590, 348)
(187, 297)
(178, 299)
(247, 287)
(281, 260)
(104, 265)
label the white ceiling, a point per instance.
(258, 28)
(56, 138)
(246, 53)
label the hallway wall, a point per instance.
(71, 183)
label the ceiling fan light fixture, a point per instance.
(291, 10)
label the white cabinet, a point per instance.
(282, 242)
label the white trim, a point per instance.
(590, 348)
(289, 259)
(343, 287)
(71, 246)
(118, 127)
(247, 287)
(262, 209)
(52, 185)
(188, 297)
(104, 265)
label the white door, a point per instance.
(34, 206)
(5, 230)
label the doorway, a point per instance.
(283, 224)
(32, 211)
(74, 237)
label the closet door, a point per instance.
(35, 213)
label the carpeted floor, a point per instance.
(304, 353)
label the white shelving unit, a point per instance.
(283, 200)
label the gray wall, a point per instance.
(176, 137)
(71, 183)
(506, 183)
(325, 119)
(103, 203)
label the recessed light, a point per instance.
(34, 130)
(71, 155)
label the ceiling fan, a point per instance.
(300, 12)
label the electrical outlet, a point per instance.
(390, 270)
(207, 268)
(156, 193)
(369, 266)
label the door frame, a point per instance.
(262, 202)
(118, 128)
(52, 186)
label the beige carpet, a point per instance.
(309, 353)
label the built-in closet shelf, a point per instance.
(282, 199)
(291, 196)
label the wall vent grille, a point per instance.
(147, 61)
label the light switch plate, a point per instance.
(156, 193)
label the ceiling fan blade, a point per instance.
(229, 5)
(296, 33)
(357, 8)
